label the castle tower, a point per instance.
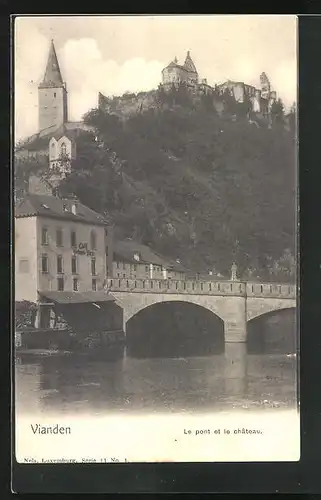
(52, 94)
(265, 86)
(189, 66)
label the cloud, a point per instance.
(86, 74)
(30, 59)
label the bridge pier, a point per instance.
(235, 324)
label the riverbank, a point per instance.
(53, 341)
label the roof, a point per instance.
(40, 141)
(77, 297)
(173, 64)
(57, 208)
(189, 65)
(125, 250)
(52, 76)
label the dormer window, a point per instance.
(136, 256)
(65, 208)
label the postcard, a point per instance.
(155, 239)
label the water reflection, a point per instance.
(234, 379)
(170, 367)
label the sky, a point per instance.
(116, 54)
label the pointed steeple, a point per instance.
(189, 65)
(52, 94)
(52, 76)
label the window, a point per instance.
(135, 267)
(59, 238)
(146, 269)
(93, 266)
(94, 284)
(60, 284)
(24, 266)
(74, 264)
(75, 285)
(59, 264)
(93, 240)
(73, 239)
(117, 265)
(44, 236)
(63, 148)
(55, 95)
(44, 263)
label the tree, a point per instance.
(277, 112)
(25, 314)
(292, 117)
(23, 168)
(284, 268)
(193, 183)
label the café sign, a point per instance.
(82, 249)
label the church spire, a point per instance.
(52, 76)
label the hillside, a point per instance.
(208, 187)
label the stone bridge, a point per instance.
(234, 302)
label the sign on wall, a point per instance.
(82, 249)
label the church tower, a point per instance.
(52, 94)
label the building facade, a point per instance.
(60, 245)
(176, 74)
(136, 261)
(261, 99)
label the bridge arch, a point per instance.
(259, 306)
(174, 328)
(132, 304)
(275, 331)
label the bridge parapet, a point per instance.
(198, 287)
(188, 287)
(277, 290)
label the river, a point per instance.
(102, 384)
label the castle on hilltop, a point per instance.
(57, 136)
(175, 73)
(261, 99)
